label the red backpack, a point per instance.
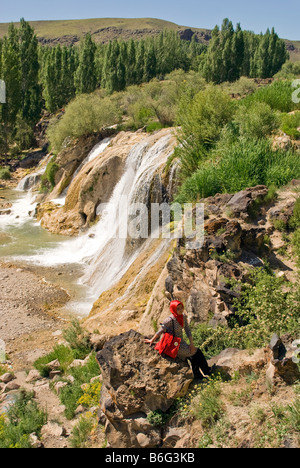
(169, 344)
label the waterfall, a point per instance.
(102, 250)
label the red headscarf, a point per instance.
(173, 309)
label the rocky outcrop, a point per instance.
(136, 382)
(283, 366)
(200, 277)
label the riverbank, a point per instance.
(31, 315)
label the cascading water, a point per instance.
(102, 251)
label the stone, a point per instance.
(173, 436)
(11, 386)
(53, 429)
(33, 375)
(7, 377)
(233, 360)
(137, 381)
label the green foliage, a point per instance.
(5, 173)
(242, 164)
(49, 177)
(202, 120)
(157, 418)
(235, 53)
(62, 353)
(82, 431)
(86, 114)
(23, 418)
(278, 96)
(290, 124)
(78, 339)
(294, 222)
(207, 405)
(91, 396)
(289, 70)
(267, 305)
(71, 394)
(256, 121)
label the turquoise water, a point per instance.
(23, 241)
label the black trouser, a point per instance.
(199, 361)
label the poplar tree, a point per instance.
(85, 76)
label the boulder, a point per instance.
(241, 202)
(137, 381)
(282, 366)
(7, 377)
(234, 360)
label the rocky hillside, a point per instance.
(103, 30)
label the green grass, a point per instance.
(278, 96)
(71, 394)
(23, 418)
(246, 163)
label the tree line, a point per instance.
(43, 77)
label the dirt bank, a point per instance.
(31, 318)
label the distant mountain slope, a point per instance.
(105, 29)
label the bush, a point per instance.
(267, 305)
(245, 163)
(278, 96)
(294, 222)
(82, 431)
(48, 179)
(72, 393)
(256, 121)
(62, 353)
(207, 406)
(86, 114)
(202, 120)
(23, 418)
(5, 173)
(290, 124)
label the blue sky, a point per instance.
(255, 15)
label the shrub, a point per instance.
(86, 114)
(295, 219)
(290, 124)
(82, 431)
(202, 120)
(71, 394)
(207, 406)
(267, 305)
(48, 179)
(5, 173)
(256, 121)
(62, 353)
(78, 339)
(23, 418)
(278, 96)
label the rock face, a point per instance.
(282, 366)
(137, 381)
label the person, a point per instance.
(175, 324)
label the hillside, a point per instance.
(104, 29)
